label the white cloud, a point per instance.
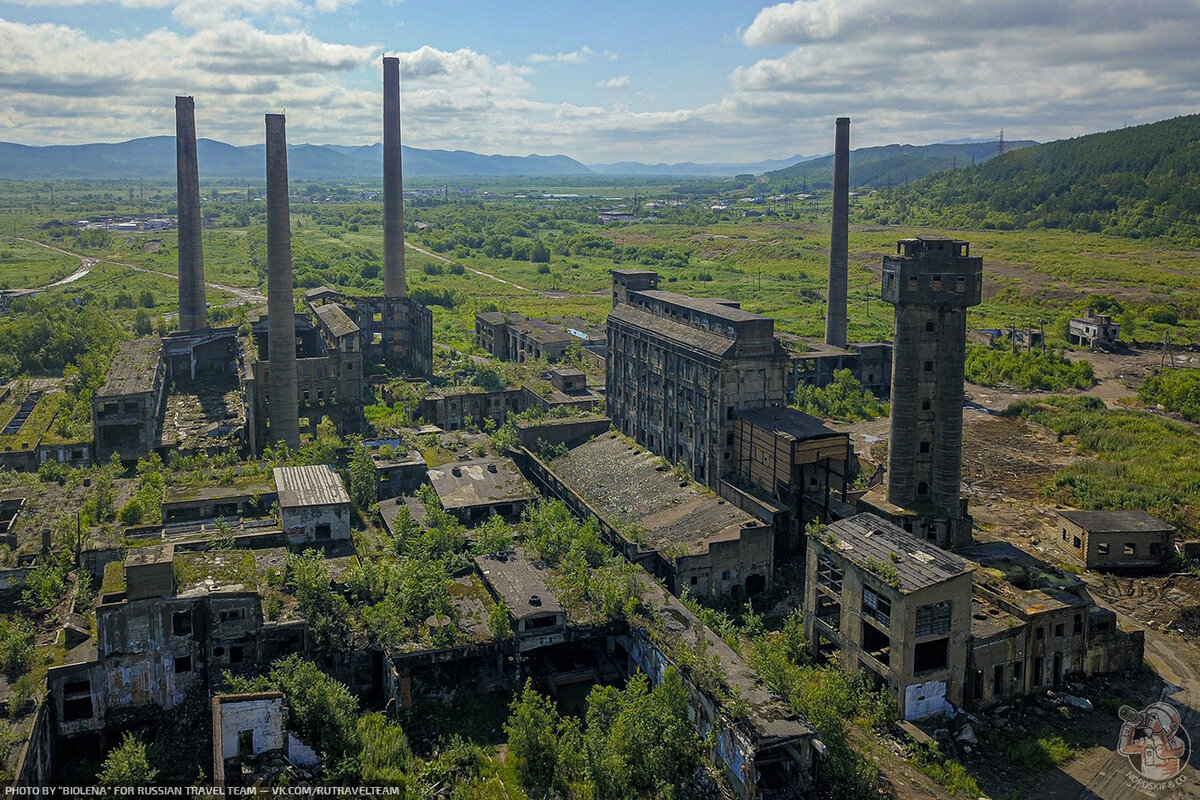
(580, 56)
(619, 82)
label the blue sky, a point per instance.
(611, 81)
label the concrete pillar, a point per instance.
(193, 314)
(835, 307)
(393, 184)
(283, 407)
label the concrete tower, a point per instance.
(393, 184)
(835, 307)
(283, 405)
(931, 281)
(193, 314)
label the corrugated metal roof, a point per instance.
(309, 486)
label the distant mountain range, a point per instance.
(889, 165)
(692, 169)
(154, 157)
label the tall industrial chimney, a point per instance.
(283, 406)
(192, 304)
(393, 184)
(835, 308)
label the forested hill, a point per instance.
(1141, 181)
(888, 165)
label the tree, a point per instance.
(532, 740)
(540, 254)
(127, 765)
(364, 486)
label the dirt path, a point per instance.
(85, 264)
(552, 293)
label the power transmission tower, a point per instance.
(1000, 143)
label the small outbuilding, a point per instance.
(473, 490)
(1115, 539)
(313, 504)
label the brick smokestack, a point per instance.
(193, 314)
(835, 308)
(393, 184)
(283, 407)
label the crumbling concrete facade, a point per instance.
(127, 410)
(894, 606)
(1093, 330)
(679, 368)
(931, 281)
(313, 504)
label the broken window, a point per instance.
(181, 623)
(1078, 625)
(1156, 548)
(924, 448)
(929, 366)
(926, 405)
(236, 654)
(183, 664)
(930, 325)
(77, 709)
(877, 607)
(1060, 629)
(829, 611)
(1130, 548)
(1040, 633)
(1076, 543)
(233, 614)
(245, 743)
(998, 680)
(1018, 672)
(876, 643)
(933, 618)
(1037, 670)
(829, 574)
(1102, 549)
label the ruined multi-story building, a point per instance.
(892, 605)
(679, 368)
(944, 632)
(931, 281)
(510, 336)
(1093, 330)
(127, 409)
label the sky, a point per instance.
(650, 81)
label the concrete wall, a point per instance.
(300, 524)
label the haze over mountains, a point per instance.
(154, 157)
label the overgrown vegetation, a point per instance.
(844, 399)
(1138, 460)
(1026, 369)
(1176, 390)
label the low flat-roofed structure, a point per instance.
(1115, 539)
(866, 540)
(515, 581)
(399, 473)
(703, 543)
(183, 503)
(313, 503)
(474, 489)
(127, 409)
(149, 571)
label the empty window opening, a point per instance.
(924, 447)
(324, 532)
(931, 655)
(245, 743)
(77, 709)
(183, 664)
(998, 680)
(1130, 548)
(1102, 549)
(876, 643)
(236, 654)
(181, 623)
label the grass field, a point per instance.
(772, 265)
(25, 265)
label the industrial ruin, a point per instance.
(688, 461)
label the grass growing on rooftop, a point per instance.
(225, 567)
